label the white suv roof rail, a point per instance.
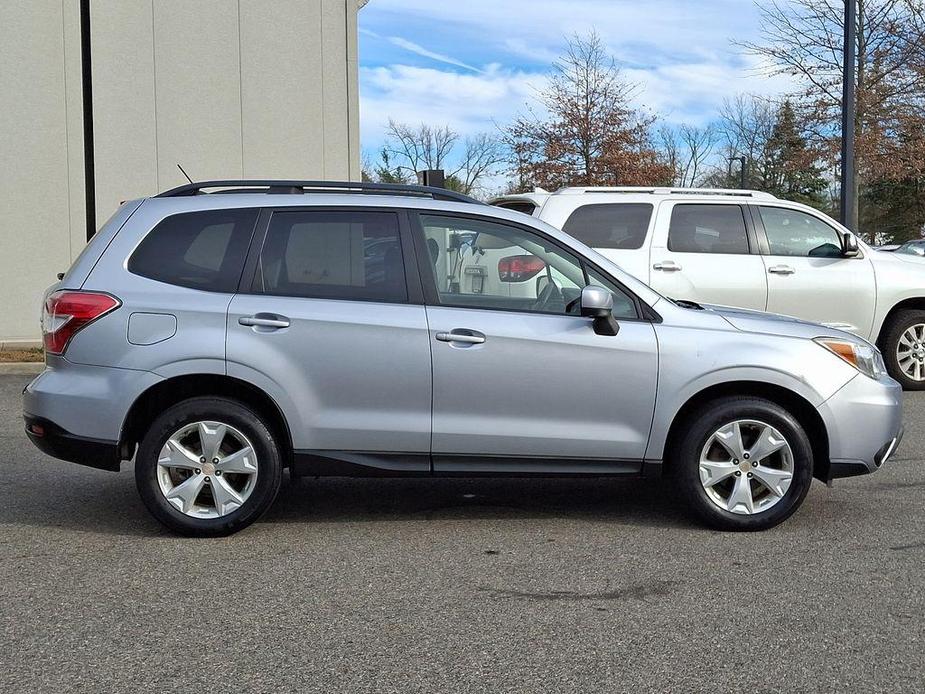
(732, 192)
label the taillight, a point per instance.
(66, 312)
(519, 268)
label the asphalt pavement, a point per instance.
(458, 586)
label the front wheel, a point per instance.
(904, 349)
(744, 464)
(208, 467)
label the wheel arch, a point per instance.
(911, 304)
(173, 390)
(798, 406)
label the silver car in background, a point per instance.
(216, 338)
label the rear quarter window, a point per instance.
(525, 207)
(200, 250)
(616, 225)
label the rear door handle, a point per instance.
(667, 266)
(781, 270)
(264, 320)
(467, 337)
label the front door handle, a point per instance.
(781, 270)
(264, 320)
(467, 337)
(667, 266)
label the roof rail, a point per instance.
(758, 194)
(303, 187)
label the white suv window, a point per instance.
(621, 226)
(704, 228)
(795, 233)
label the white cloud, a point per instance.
(467, 103)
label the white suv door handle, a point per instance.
(667, 266)
(781, 270)
(464, 338)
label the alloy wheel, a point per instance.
(910, 352)
(207, 469)
(746, 467)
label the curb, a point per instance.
(21, 368)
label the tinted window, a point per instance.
(506, 268)
(619, 225)
(333, 255)
(525, 207)
(201, 250)
(708, 229)
(795, 233)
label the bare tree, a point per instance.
(416, 149)
(699, 144)
(482, 157)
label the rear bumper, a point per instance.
(865, 426)
(52, 440)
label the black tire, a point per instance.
(710, 419)
(900, 323)
(266, 448)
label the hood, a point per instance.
(750, 321)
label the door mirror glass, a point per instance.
(849, 246)
(597, 303)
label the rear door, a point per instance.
(707, 252)
(330, 325)
(523, 383)
(807, 275)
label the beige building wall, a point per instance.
(227, 88)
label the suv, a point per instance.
(752, 250)
(217, 338)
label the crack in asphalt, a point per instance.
(642, 591)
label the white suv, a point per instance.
(751, 250)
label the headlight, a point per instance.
(862, 356)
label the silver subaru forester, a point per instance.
(222, 331)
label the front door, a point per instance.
(809, 278)
(329, 330)
(521, 382)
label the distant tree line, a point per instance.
(585, 130)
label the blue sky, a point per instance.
(474, 63)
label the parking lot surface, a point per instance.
(458, 585)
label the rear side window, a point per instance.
(525, 207)
(619, 225)
(333, 255)
(708, 229)
(201, 250)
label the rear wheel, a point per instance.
(744, 464)
(208, 467)
(904, 349)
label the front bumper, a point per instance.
(864, 421)
(52, 440)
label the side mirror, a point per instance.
(849, 246)
(597, 303)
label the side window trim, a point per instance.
(751, 235)
(644, 313)
(247, 284)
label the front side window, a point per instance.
(708, 229)
(200, 250)
(795, 233)
(333, 255)
(506, 268)
(617, 225)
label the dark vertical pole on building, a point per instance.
(848, 112)
(86, 82)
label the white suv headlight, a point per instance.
(864, 357)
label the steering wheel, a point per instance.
(549, 294)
